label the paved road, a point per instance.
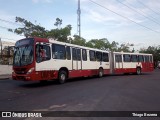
(110, 93)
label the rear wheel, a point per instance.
(138, 71)
(62, 76)
(43, 81)
(100, 72)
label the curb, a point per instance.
(4, 77)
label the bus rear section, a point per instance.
(132, 63)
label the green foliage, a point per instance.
(114, 46)
(89, 44)
(124, 48)
(102, 44)
(78, 41)
(60, 34)
(58, 22)
(31, 30)
(152, 50)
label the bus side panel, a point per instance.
(147, 67)
(82, 73)
(49, 69)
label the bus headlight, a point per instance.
(30, 70)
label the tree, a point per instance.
(58, 23)
(31, 30)
(60, 34)
(114, 46)
(78, 40)
(102, 44)
(89, 44)
(124, 48)
(155, 50)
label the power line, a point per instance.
(10, 29)
(148, 7)
(10, 22)
(138, 12)
(5, 28)
(143, 12)
(124, 17)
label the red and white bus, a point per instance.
(39, 59)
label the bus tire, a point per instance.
(62, 76)
(43, 81)
(100, 72)
(138, 71)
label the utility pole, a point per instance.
(79, 19)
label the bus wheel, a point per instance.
(138, 71)
(100, 72)
(43, 81)
(62, 76)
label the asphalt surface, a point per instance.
(109, 93)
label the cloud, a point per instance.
(4, 33)
(4, 15)
(7, 20)
(100, 14)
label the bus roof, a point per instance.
(132, 53)
(83, 47)
(73, 45)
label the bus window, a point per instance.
(84, 55)
(140, 58)
(151, 59)
(105, 57)
(99, 56)
(126, 58)
(79, 54)
(68, 53)
(74, 55)
(134, 58)
(92, 55)
(118, 58)
(58, 51)
(146, 58)
(42, 53)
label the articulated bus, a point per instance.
(40, 59)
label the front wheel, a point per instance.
(100, 72)
(138, 71)
(62, 76)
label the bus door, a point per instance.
(118, 63)
(148, 66)
(76, 59)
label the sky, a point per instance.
(124, 21)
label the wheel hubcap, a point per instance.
(138, 71)
(100, 73)
(63, 77)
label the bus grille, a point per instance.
(20, 70)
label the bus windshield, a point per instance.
(23, 53)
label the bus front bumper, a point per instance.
(22, 77)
